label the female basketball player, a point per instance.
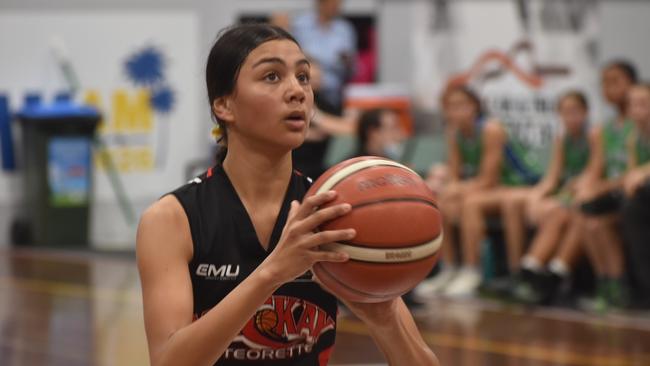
(379, 134)
(603, 196)
(548, 205)
(636, 209)
(604, 243)
(223, 259)
(476, 149)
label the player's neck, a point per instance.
(257, 176)
(324, 20)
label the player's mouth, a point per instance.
(296, 120)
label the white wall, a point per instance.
(99, 45)
(624, 30)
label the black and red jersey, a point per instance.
(297, 324)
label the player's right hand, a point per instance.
(298, 247)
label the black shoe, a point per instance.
(536, 288)
(617, 294)
(524, 290)
(548, 286)
(499, 288)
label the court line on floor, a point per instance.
(628, 321)
(506, 348)
(355, 327)
(73, 290)
(26, 346)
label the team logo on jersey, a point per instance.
(284, 327)
(213, 272)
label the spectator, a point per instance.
(379, 134)
(331, 40)
(602, 196)
(476, 164)
(309, 158)
(548, 205)
(636, 209)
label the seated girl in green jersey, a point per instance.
(636, 209)
(476, 154)
(547, 205)
(603, 236)
(638, 144)
(601, 197)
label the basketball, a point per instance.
(398, 225)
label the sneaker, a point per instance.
(616, 294)
(599, 303)
(429, 288)
(498, 288)
(525, 289)
(464, 284)
(547, 284)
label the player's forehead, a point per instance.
(282, 52)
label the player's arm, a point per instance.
(493, 140)
(596, 163)
(636, 174)
(394, 331)
(334, 125)
(164, 250)
(552, 176)
(453, 155)
(589, 183)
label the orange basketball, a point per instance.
(398, 225)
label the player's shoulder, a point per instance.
(596, 132)
(165, 213)
(493, 128)
(163, 234)
(171, 208)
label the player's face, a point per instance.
(615, 85)
(390, 131)
(573, 115)
(273, 100)
(639, 106)
(330, 8)
(459, 109)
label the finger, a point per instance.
(321, 216)
(293, 210)
(329, 256)
(330, 236)
(311, 203)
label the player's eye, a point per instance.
(272, 77)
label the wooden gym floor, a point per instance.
(80, 308)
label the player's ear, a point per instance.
(221, 107)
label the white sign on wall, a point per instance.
(519, 55)
(141, 69)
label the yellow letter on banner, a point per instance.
(132, 115)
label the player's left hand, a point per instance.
(370, 313)
(632, 181)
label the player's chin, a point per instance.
(293, 139)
